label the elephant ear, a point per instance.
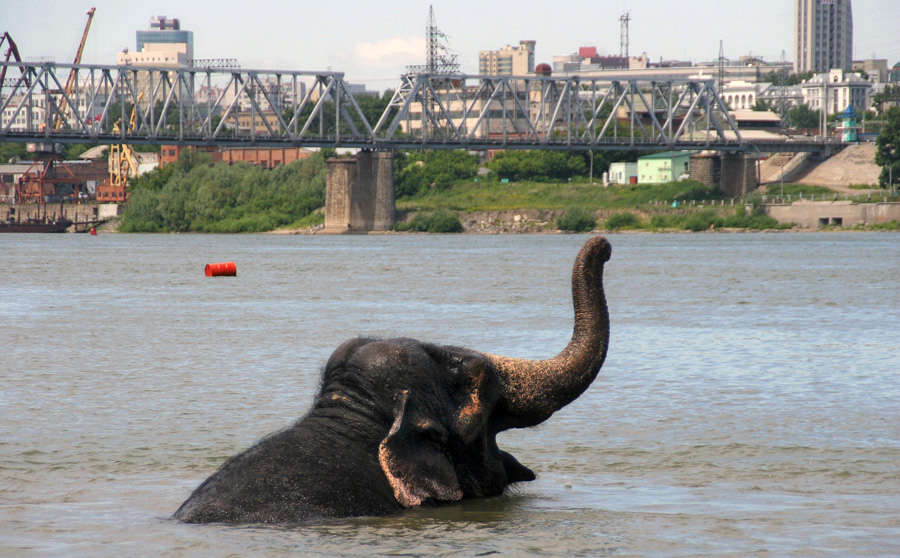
(414, 459)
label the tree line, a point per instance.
(417, 172)
(194, 195)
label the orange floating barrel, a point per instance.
(226, 269)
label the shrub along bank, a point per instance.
(698, 220)
(194, 196)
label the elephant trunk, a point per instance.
(532, 390)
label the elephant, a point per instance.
(399, 423)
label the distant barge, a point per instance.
(36, 226)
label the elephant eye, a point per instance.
(430, 430)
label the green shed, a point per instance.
(663, 167)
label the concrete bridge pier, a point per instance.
(735, 174)
(359, 194)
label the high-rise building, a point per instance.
(164, 44)
(824, 35)
(508, 61)
(164, 30)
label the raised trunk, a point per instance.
(535, 389)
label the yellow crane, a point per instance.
(123, 162)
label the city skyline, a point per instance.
(374, 47)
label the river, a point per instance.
(749, 405)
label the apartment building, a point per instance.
(823, 35)
(508, 61)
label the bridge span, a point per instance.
(277, 108)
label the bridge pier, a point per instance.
(359, 193)
(735, 174)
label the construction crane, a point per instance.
(71, 82)
(35, 186)
(11, 52)
(123, 164)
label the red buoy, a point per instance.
(226, 269)
(93, 231)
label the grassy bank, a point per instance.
(499, 196)
(581, 206)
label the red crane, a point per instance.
(36, 186)
(11, 52)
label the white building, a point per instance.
(835, 91)
(623, 173)
(165, 44)
(742, 95)
(782, 97)
(157, 55)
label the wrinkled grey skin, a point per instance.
(400, 423)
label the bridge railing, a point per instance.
(234, 106)
(557, 111)
(177, 105)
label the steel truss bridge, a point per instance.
(270, 108)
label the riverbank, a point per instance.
(532, 221)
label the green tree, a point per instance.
(72, 151)
(193, 195)
(440, 221)
(762, 105)
(10, 150)
(539, 166)
(415, 173)
(785, 77)
(801, 116)
(887, 153)
(373, 106)
(891, 94)
(114, 114)
(576, 219)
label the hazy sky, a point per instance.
(373, 42)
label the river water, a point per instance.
(749, 405)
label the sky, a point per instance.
(373, 42)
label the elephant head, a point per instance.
(399, 423)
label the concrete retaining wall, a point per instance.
(76, 212)
(813, 215)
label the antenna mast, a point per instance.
(623, 38)
(721, 64)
